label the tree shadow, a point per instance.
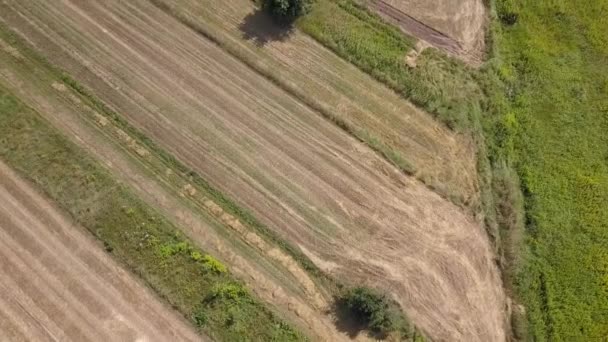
(260, 28)
(345, 321)
(348, 323)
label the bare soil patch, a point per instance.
(305, 178)
(457, 27)
(58, 284)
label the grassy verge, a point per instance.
(554, 61)
(542, 104)
(196, 284)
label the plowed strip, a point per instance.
(302, 176)
(57, 285)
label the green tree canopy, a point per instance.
(286, 10)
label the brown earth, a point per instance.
(456, 26)
(306, 179)
(58, 285)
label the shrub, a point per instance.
(371, 309)
(228, 291)
(171, 249)
(212, 264)
(286, 10)
(509, 18)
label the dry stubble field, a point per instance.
(441, 158)
(59, 285)
(356, 215)
(270, 273)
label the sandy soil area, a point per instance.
(351, 211)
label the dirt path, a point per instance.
(416, 28)
(305, 178)
(58, 284)
(457, 27)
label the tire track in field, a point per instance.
(303, 177)
(60, 286)
(457, 27)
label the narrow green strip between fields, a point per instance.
(193, 282)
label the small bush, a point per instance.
(171, 249)
(509, 18)
(212, 264)
(371, 309)
(227, 291)
(286, 11)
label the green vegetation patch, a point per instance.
(194, 283)
(555, 63)
(378, 314)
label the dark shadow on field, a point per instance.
(260, 28)
(346, 322)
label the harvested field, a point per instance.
(407, 136)
(58, 284)
(351, 211)
(272, 274)
(457, 27)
